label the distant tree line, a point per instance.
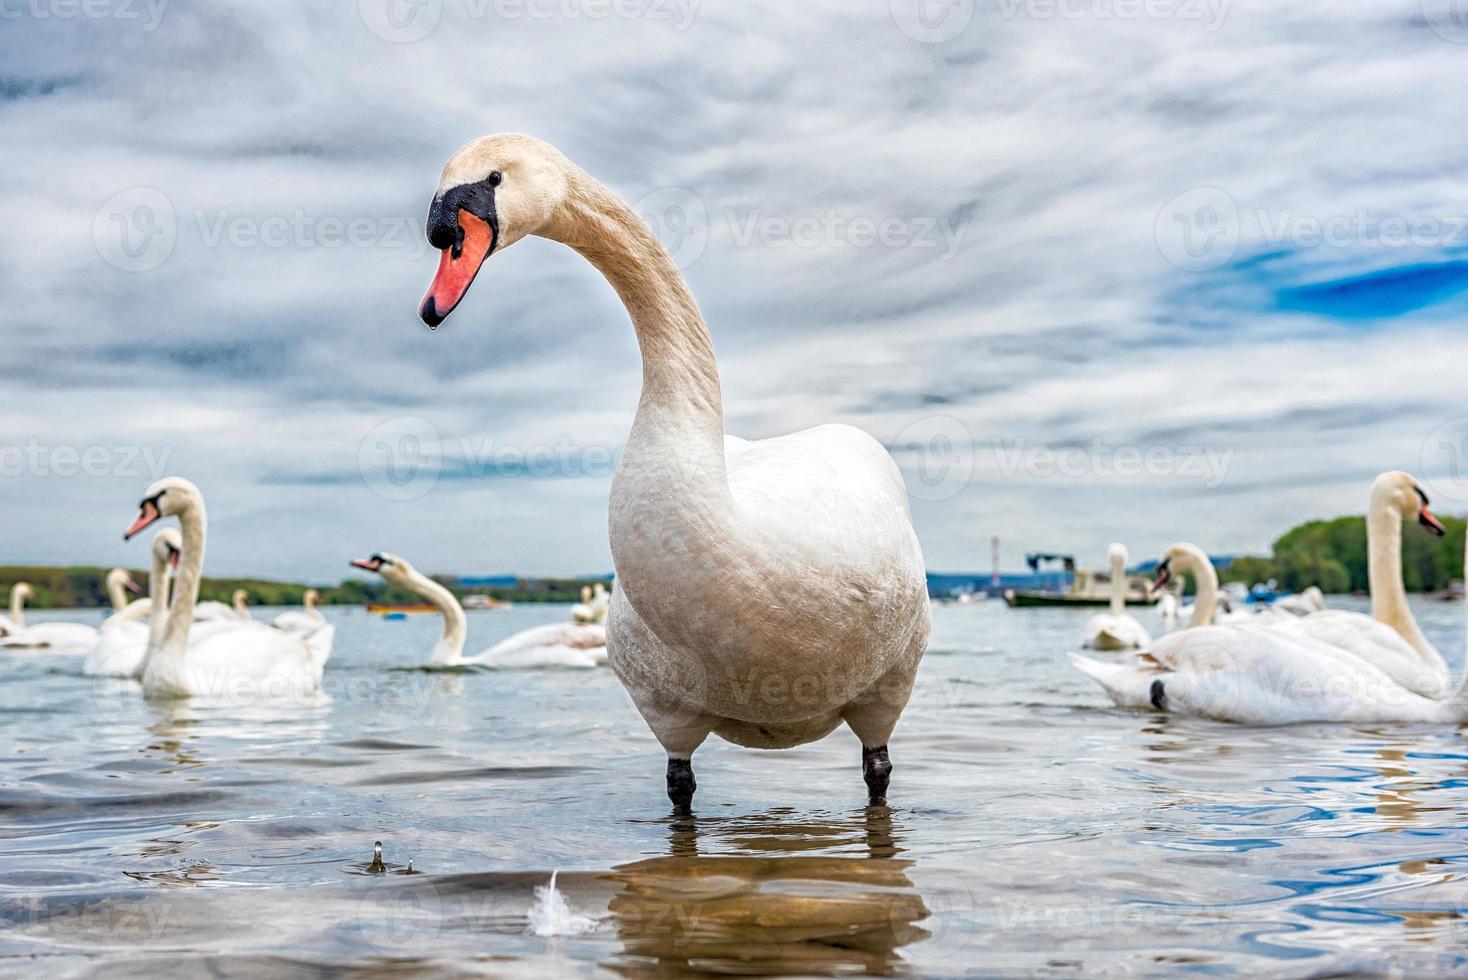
(83, 586)
(1332, 555)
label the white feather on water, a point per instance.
(551, 914)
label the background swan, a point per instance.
(68, 638)
(582, 612)
(20, 594)
(237, 610)
(118, 583)
(745, 570)
(1116, 629)
(555, 645)
(1303, 603)
(1389, 638)
(125, 637)
(304, 620)
(249, 661)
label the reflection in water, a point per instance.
(768, 913)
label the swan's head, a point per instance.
(24, 590)
(310, 595)
(169, 497)
(598, 590)
(168, 547)
(1403, 493)
(493, 193)
(396, 570)
(1176, 560)
(240, 598)
(586, 593)
(123, 579)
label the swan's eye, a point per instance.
(496, 178)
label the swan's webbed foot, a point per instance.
(876, 769)
(681, 785)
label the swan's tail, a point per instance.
(1128, 686)
(319, 642)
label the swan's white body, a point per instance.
(304, 620)
(69, 638)
(249, 661)
(1116, 629)
(1256, 675)
(767, 591)
(555, 645)
(552, 645)
(1328, 666)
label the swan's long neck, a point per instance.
(450, 647)
(193, 522)
(1384, 571)
(115, 593)
(1118, 583)
(1205, 603)
(158, 588)
(670, 497)
(309, 601)
(241, 604)
(17, 605)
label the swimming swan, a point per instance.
(70, 638)
(249, 660)
(1390, 637)
(556, 645)
(302, 621)
(1116, 629)
(767, 591)
(19, 593)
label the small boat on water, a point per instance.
(1087, 588)
(397, 610)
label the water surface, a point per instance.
(1033, 828)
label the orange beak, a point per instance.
(147, 514)
(1426, 518)
(457, 267)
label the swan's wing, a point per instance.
(576, 636)
(1374, 642)
(254, 660)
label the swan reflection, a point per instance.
(767, 908)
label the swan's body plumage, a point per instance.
(553, 645)
(1257, 675)
(65, 638)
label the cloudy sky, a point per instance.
(1137, 270)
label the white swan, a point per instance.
(556, 645)
(68, 638)
(1116, 629)
(20, 592)
(118, 583)
(301, 621)
(601, 603)
(1310, 600)
(766, 591)
(125, 637)
(248, 661)
(1168, 609)
(582, 612)
(237, 610)
(1390, 637)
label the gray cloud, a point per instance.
(1041, 153)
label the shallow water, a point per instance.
(1034, 829)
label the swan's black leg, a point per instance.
(681, 785)
(876, 769)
